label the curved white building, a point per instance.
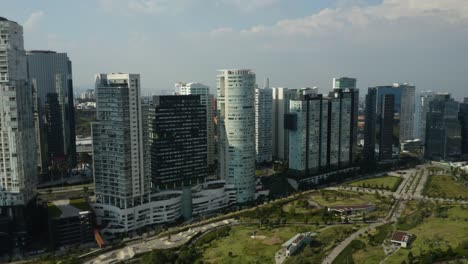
(164, 207)
(236, 130)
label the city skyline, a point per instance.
(341, 38)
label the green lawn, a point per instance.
(445, 186)
(245, 249)
(437, 233)
(54, 211)
(386, 182)
(81, 204)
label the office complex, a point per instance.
(370, 125)
(321, 131)
(177, 141)
(18, 168)
(387, 112)
(50, 74)
(207, 100)
(443, 130)
(263, 123)
(236, 130)
(403, 95)
(422, 107)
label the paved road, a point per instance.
(173, 241)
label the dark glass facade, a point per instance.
(177, 141)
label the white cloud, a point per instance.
(129, 7)
(358, 17)
(250, 5)
(33, 21)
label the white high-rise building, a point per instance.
(206, 99)
(121, 181)
(18, 166)
(263, 123)
(236, 130)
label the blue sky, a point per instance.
(296, 43)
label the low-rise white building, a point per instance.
(352, 209)
(86, 106)
(401, 238)
(167, 207)
(296, 242)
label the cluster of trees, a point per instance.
(184, 256)
(432, 256)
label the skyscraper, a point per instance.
(345, 89)
(177, 141)
(18, 166)
(263, 123)
(321, 131)
(308, 125)
(121, 181)
(370, 125)
(281, 98)
(386, 126)
(403, 95)
(443, 130)
(207, 100)
(423, 108)
(51, 76)
(236, 130)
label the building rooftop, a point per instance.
(400, 236)
(67, 208)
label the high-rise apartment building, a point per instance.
(207, 100)
(121, 181)
(50, 74)
(370, 125)
(177, 141)
(443, 130)
(236, 130)
(18, 166)
(345, 89)
(321, 130)
(387, 112)
(263, 123)
(308, 126)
